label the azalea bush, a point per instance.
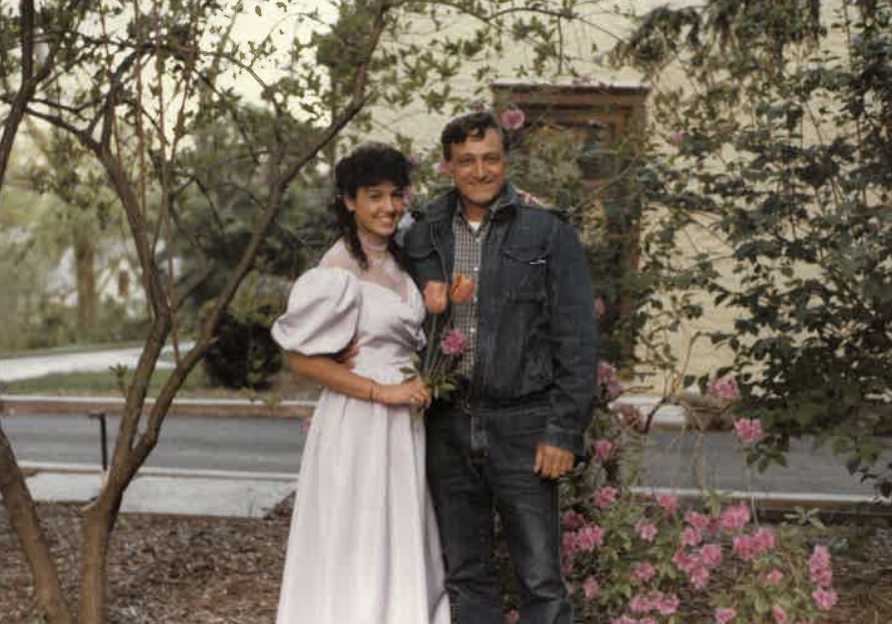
(633, 557)
(770, 162)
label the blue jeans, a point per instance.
(479, 460)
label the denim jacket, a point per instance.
(536, 328)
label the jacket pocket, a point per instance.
(523, 273)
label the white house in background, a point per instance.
(595, 92)
(117, 278)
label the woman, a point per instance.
(364, 547)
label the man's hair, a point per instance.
(473, 125)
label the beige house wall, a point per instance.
(603, 26)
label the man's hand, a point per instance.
(347, 356)
(553, 462)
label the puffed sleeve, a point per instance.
(323, 311)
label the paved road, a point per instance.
(266, 445)
(242, 444)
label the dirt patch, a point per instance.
(176, 570)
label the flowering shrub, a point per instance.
(637, 559)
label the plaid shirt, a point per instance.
(468, 250)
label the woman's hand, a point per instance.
(413, 393)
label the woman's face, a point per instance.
(378, 209)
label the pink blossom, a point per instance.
(780, 616)
(641, 603)
(605, 497)
(774, 577)
(819, 566)
(442, 168)
(603, 448)
(643, 572)
(600, 307)
(645, 530)
(766, 539)
(569, 544)
(723, 615)
(647, 620)
(415, 159)
(590, 537)
(513, 118)
(749, 431)
(667, 605)
(573, 519)
(710, 555)
(691, 536)
(624, 620)
(723, 389)
(700, 577)
(745, 547)
(608, 378)
(590, 587)
(454, 343)
(825, 598)
(668, 502)
(820, 557)
(683, 561)
(512, 617)
(676, 138)
(699, 521)
(734, 518)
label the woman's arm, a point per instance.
(338, 377)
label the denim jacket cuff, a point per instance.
(564, 440)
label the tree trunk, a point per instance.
(22, 514)
(85, 271)
(94, 552)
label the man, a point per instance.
(529, 375)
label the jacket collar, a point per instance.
(443, 207)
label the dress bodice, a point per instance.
(329, 307)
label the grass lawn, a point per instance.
(75, 348)
(104, 383)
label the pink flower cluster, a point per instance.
(723, 389)
(585, 539)
(603, 448)
(454, 343)
(608, 379)
(734, 518)
(668, 503)
(723, 615)
(645, 530)
(748, 547)
(664, 604)
(573, 519)
(513, 118)
(643, 572)
(605, 497)
(822, 576)
(698, 565)
(749, 431)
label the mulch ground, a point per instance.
(209, 570)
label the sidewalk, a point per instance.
(667, 417)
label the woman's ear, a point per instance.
(350, 203)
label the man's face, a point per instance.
(478, 168)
